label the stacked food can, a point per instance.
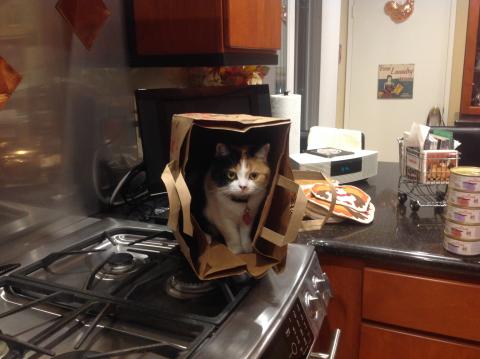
(462, 215)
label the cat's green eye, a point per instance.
(231, 175)
(253, 175)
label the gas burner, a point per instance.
(121, 262)
(117, 266)
(4, 349)
(185, 285)
(80, 354)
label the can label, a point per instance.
(462, 215)
(464, 183)
(462, 231)
(464, 248)
(463, 199)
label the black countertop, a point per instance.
(397, 235)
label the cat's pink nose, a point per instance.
(243, 188)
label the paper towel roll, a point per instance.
(289, 106)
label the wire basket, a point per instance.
(424, 175)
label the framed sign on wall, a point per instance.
(395, 81)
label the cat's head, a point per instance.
(239, 172)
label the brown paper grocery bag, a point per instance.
(311, 177)
(279, 220)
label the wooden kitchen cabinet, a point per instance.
(252, 24)
(385, 343)
(440, 306)
(344, 309)
(203, 33)
(391, 313)
(470, 99)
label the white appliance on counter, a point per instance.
(343, 166)
(338, 153)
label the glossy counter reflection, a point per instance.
(397, 234)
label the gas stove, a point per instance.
(122, 289)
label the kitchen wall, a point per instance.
(461, 15)
(330, 38)
(73, 110)
(424, 40)
(68, 132)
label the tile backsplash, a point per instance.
(68, 131)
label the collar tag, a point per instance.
(247, 218)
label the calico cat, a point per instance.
(235, 187)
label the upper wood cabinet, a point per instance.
(203, 33)
(252, 24)
(470, 100)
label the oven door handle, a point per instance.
(332, 351)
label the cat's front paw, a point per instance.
(248, 250)
(247, 246)
(237, 249)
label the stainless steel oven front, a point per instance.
(281, 316)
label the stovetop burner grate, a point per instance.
(80, 354)
(180, 287)
(115, 283)
(51, 338)
(87, 266)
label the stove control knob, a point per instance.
(313, 304)
(322, 284)
(317, 281)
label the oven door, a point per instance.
(300, 326)
(280, 317)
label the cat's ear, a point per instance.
(221, 150)
(262, 153)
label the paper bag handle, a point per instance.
(316, 224)
(173, 199)
(186, 201)
(298, 211)
(178, 198)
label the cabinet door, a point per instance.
(470, 101)
(428, 304)
(178, 26)
(383, 343)
(344, 309)
(253, 24)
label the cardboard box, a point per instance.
(193, 140)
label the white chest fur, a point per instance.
(229, 217)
